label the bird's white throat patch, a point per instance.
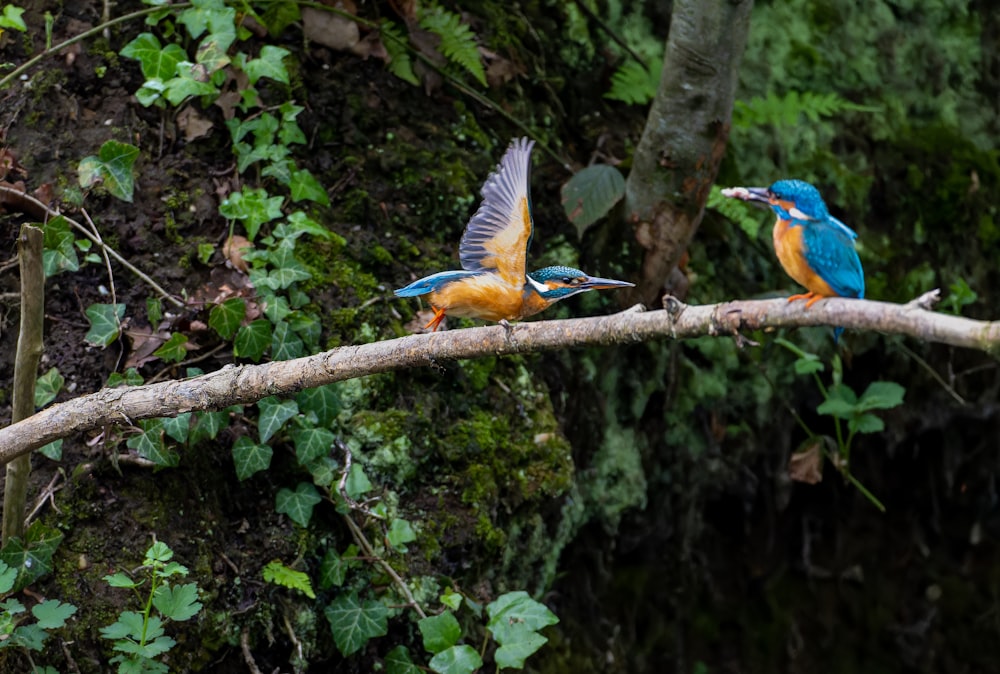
(539, 287)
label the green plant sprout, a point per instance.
(139, 636)
(843, 404)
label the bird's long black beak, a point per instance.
(598, 283)
(759, 195)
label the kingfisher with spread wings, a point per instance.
(493, 283)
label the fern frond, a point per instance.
(632, 83)
(399, 63)
(458, 43)
(734, 210)
(785, 110)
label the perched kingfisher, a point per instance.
(815, 248)
(493, 283)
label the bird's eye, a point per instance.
(568, 281)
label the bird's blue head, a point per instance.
(556, 283)
(792, 195)
(793, 200)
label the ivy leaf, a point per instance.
(268, 64)
(173, 350)
(288, 268)
(250, 458)
(210, 15)
(451, 599)
(105, 323)
(225, 318)
(150, 444)
(515, 612)
(154, 310)
(189, 83)
(311, 443)
(439, 632)
(253, 207)
(273, 415)
(397, 661)
(322, 401)
(280, 15)
(297, 224)
(32, 555)
(212, 51)
(591, 193)
(155, 60)
(358, 483)
(207, 425)
(305, 186)
(47, 387)
(354, 622)
(11, 18)
(298, 504)
(400, 533)
(461, 659)
(178, 602)
(279, 574)
(513, 654)
(285, 344)
(52, 613)
(252, 340)
(332, 570)
(53, 450)
(113, 167)
(178, 427)
(60, 253)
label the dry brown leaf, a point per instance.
(406, 9)
(193, 124)
(806, 464)
(500, 70)
(144, 343)
(233, 249)
(9, 164)
(45, 193)
(330, 30)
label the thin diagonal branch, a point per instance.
(39, 209)
(248, 383)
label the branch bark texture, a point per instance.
(26, 359)
(685, 136)
(248, 383)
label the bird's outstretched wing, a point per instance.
(829, 250)
(497, 236)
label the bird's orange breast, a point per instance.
(486, 296)
(788, 245)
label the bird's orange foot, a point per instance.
(811, 298)
(436, 321)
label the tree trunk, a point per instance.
(29, 354)
(686, 133)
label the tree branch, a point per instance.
(248, 383)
